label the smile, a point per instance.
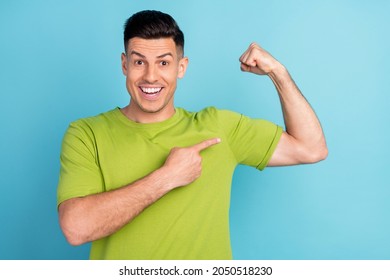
(150, 90)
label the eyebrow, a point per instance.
(160, 56)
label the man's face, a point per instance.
(151, 68)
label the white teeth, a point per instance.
(150, 90)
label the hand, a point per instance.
(257, 60)
(185, 164)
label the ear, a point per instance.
(124, 64)
(183, 63)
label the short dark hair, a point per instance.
(153, 25)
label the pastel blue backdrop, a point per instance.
(60, 61)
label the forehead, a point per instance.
(152, 47)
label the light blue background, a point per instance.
(60, 61)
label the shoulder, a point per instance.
(86, 128)
(94, 121)
(212, 113)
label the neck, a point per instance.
(140, 116)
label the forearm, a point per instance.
(96, 216)
(303, 141)
(301, 122)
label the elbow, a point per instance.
(74, 239)
(72, 228)
(73, 235)
(317, 155)
(324, 153)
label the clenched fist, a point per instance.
(257, 60)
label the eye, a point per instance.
(164, 63)
(138, 62)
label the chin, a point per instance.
(152, 110)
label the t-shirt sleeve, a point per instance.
(80, 174)
(252, 141)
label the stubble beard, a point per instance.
(154, 111)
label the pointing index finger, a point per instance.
(205, 144)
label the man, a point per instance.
(151, 181)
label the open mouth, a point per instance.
(151, 90)
(151, 93)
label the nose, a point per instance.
(150, 75)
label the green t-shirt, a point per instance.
(109, 151)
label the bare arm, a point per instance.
(93, 217)
(303, 141)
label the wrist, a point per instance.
(280, 77)
(277, 70)
(165, 181)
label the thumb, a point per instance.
(205, 144)
(246, 67)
